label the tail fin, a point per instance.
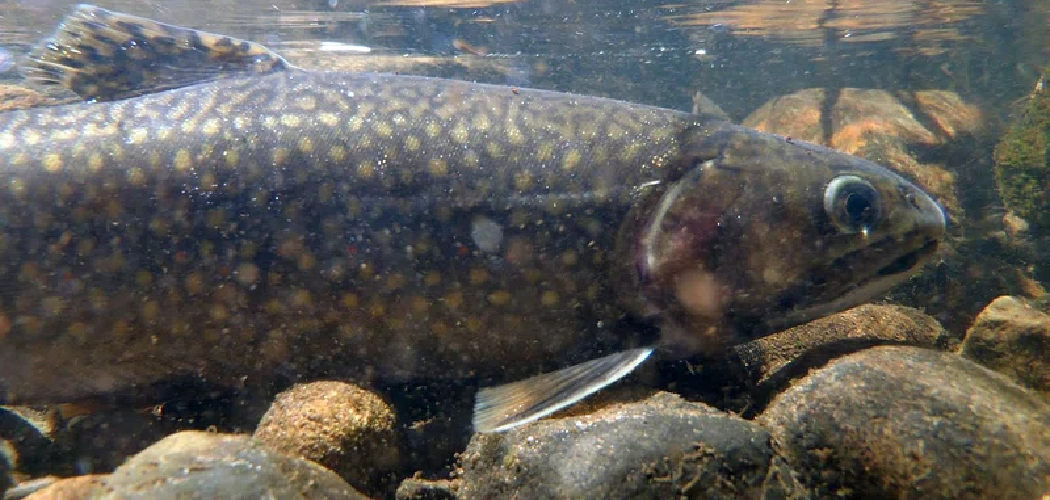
(107, 56)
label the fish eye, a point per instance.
(852, 204)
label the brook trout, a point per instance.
(214, 211)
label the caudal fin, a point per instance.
(105, 56)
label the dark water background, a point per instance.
(740, 53)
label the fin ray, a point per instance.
(503, 407)
(105, 56)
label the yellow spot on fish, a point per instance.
(31, 137)
(306, 145)
(248, 274)
(290, 120)
(279, 156)
(571, 160)
(420, 304)
(366, 170)
(478, 276)
(460, 133)
(569, 258)
(630, 152)
(350, 300)
(433, 278)
(329, 119)
(138, 135)
(481, 122)
(232, 156)
(194, 283)
(211, 126)
(522, 180)
(306, 103)
(514, 135)
(395, 281)
(454, 300)
(549, 298)
(384, 130)
(337, 153)
(208, 181)
(7, 140)
(95, 162)
(432, 129)
(136, 176)
(438, 167)
(301, 298)
(494, 149)
(376, 309)
(150, 310)
(182, 160)
(52, 162)
(474, 324)
(412, 143)
(499, 298)
(307, 261)
(53, 305)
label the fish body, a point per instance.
(240, 224)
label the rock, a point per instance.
(338, 425)
(904, 422)
(663, 447)
(793, 351)
(422, 489)
(6, 479)
(1012, 337)
(207, 465)
(880, 126)
(74, 488)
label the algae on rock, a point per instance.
(1022, 161)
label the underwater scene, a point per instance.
(524, 249)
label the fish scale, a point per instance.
(219, 213)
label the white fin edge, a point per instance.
(503, 407)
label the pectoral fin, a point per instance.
(503, 407)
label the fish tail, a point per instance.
(103, 55)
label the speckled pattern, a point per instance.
(365, 225)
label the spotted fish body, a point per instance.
(277, 221)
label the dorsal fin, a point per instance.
(702, 105)
(107, 56)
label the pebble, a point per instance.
(194, 464)
(905, 422)
(1012, 337)
(341, 426)
(663, 447)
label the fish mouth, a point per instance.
(853, 279)
(910, 260)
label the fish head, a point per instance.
(756, 233)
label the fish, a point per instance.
(210, 210)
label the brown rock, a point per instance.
(877, 125)
(905, 422)
(663, 447)
(74, 488)
(1012, 337)
(338, 425)
(777, 357)
(207, 465)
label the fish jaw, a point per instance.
(760, 233)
